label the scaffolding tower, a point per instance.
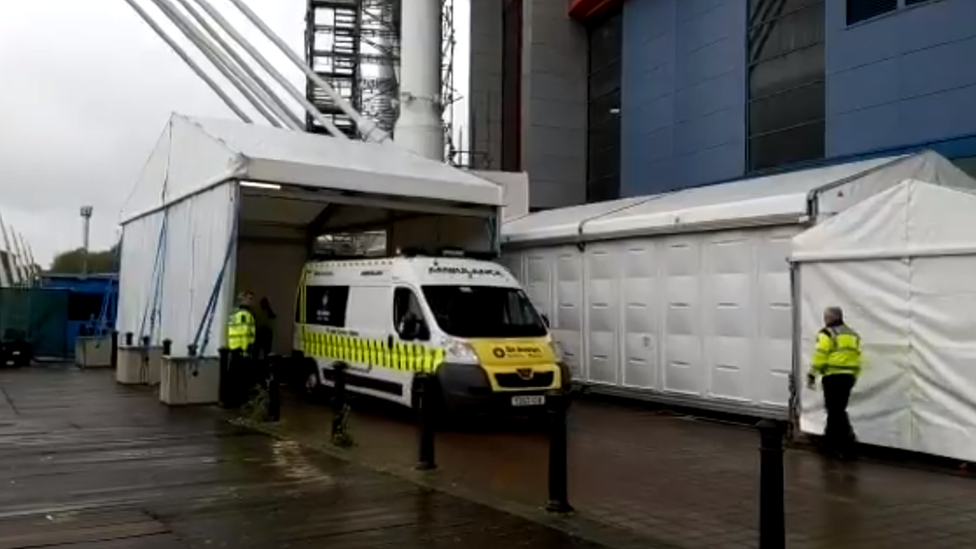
(354, 45)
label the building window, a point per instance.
(603, 109)
(862, 10)
(786, 82)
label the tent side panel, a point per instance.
(140, 242)
(196, 160)
(943, 351)
(148, 191)
(272, 270)
(875, 297)
(928, 167)
(198, 234)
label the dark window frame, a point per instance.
(793, 69)
(859, 11)
(338, 305)
(603, 91)
(512, 30)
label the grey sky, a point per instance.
(85, 90)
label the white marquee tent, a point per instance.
(902, 264)
(685, 297)
(221, 204)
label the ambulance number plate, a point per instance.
(528, 400)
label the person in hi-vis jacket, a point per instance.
(837, 361)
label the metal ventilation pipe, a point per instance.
(419, 128)
(190, 62)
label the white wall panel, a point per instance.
(774, 358)
(641, 326)
(198, 234)
(602, 313)
(729, 320)
(140, 241)
(567, 322)
(682, 338)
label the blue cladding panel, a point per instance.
(683, 94)
(900, 79)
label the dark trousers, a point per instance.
(839, 434)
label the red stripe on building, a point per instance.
(582, 10)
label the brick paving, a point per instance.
(85, 464)
(674, 481)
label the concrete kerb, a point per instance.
(575, 524)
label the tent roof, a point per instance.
(195, 153)
(911, 217)
(751, 201)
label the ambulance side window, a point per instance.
(407, 310)
(326, 305)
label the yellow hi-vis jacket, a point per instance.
(241, 330)
(838, 351)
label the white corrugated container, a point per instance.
(686, 297)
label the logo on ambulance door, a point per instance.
(498, 352)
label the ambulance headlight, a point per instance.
(557, 351)
(457, 351)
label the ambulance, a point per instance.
(466, 323)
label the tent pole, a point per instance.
(190, 62)
(269, 68)
(270, 97)
(223, 64)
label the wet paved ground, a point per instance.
(87, 464)
(674, 481)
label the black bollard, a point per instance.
(115, 350)
(128, 339)
(772, 509)
(339, 435)
(236, 381)
(222, 381)
(167, 346)
(145, 342)
(425, 424)
(558, 460)
(274, 392)
(191, 349)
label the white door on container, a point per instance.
(684, 367)
(538, 280)
(602, 312)
(639, 298)
(567, 320)
(730, 315)
(775, 296)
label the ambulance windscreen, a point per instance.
(484, 312)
